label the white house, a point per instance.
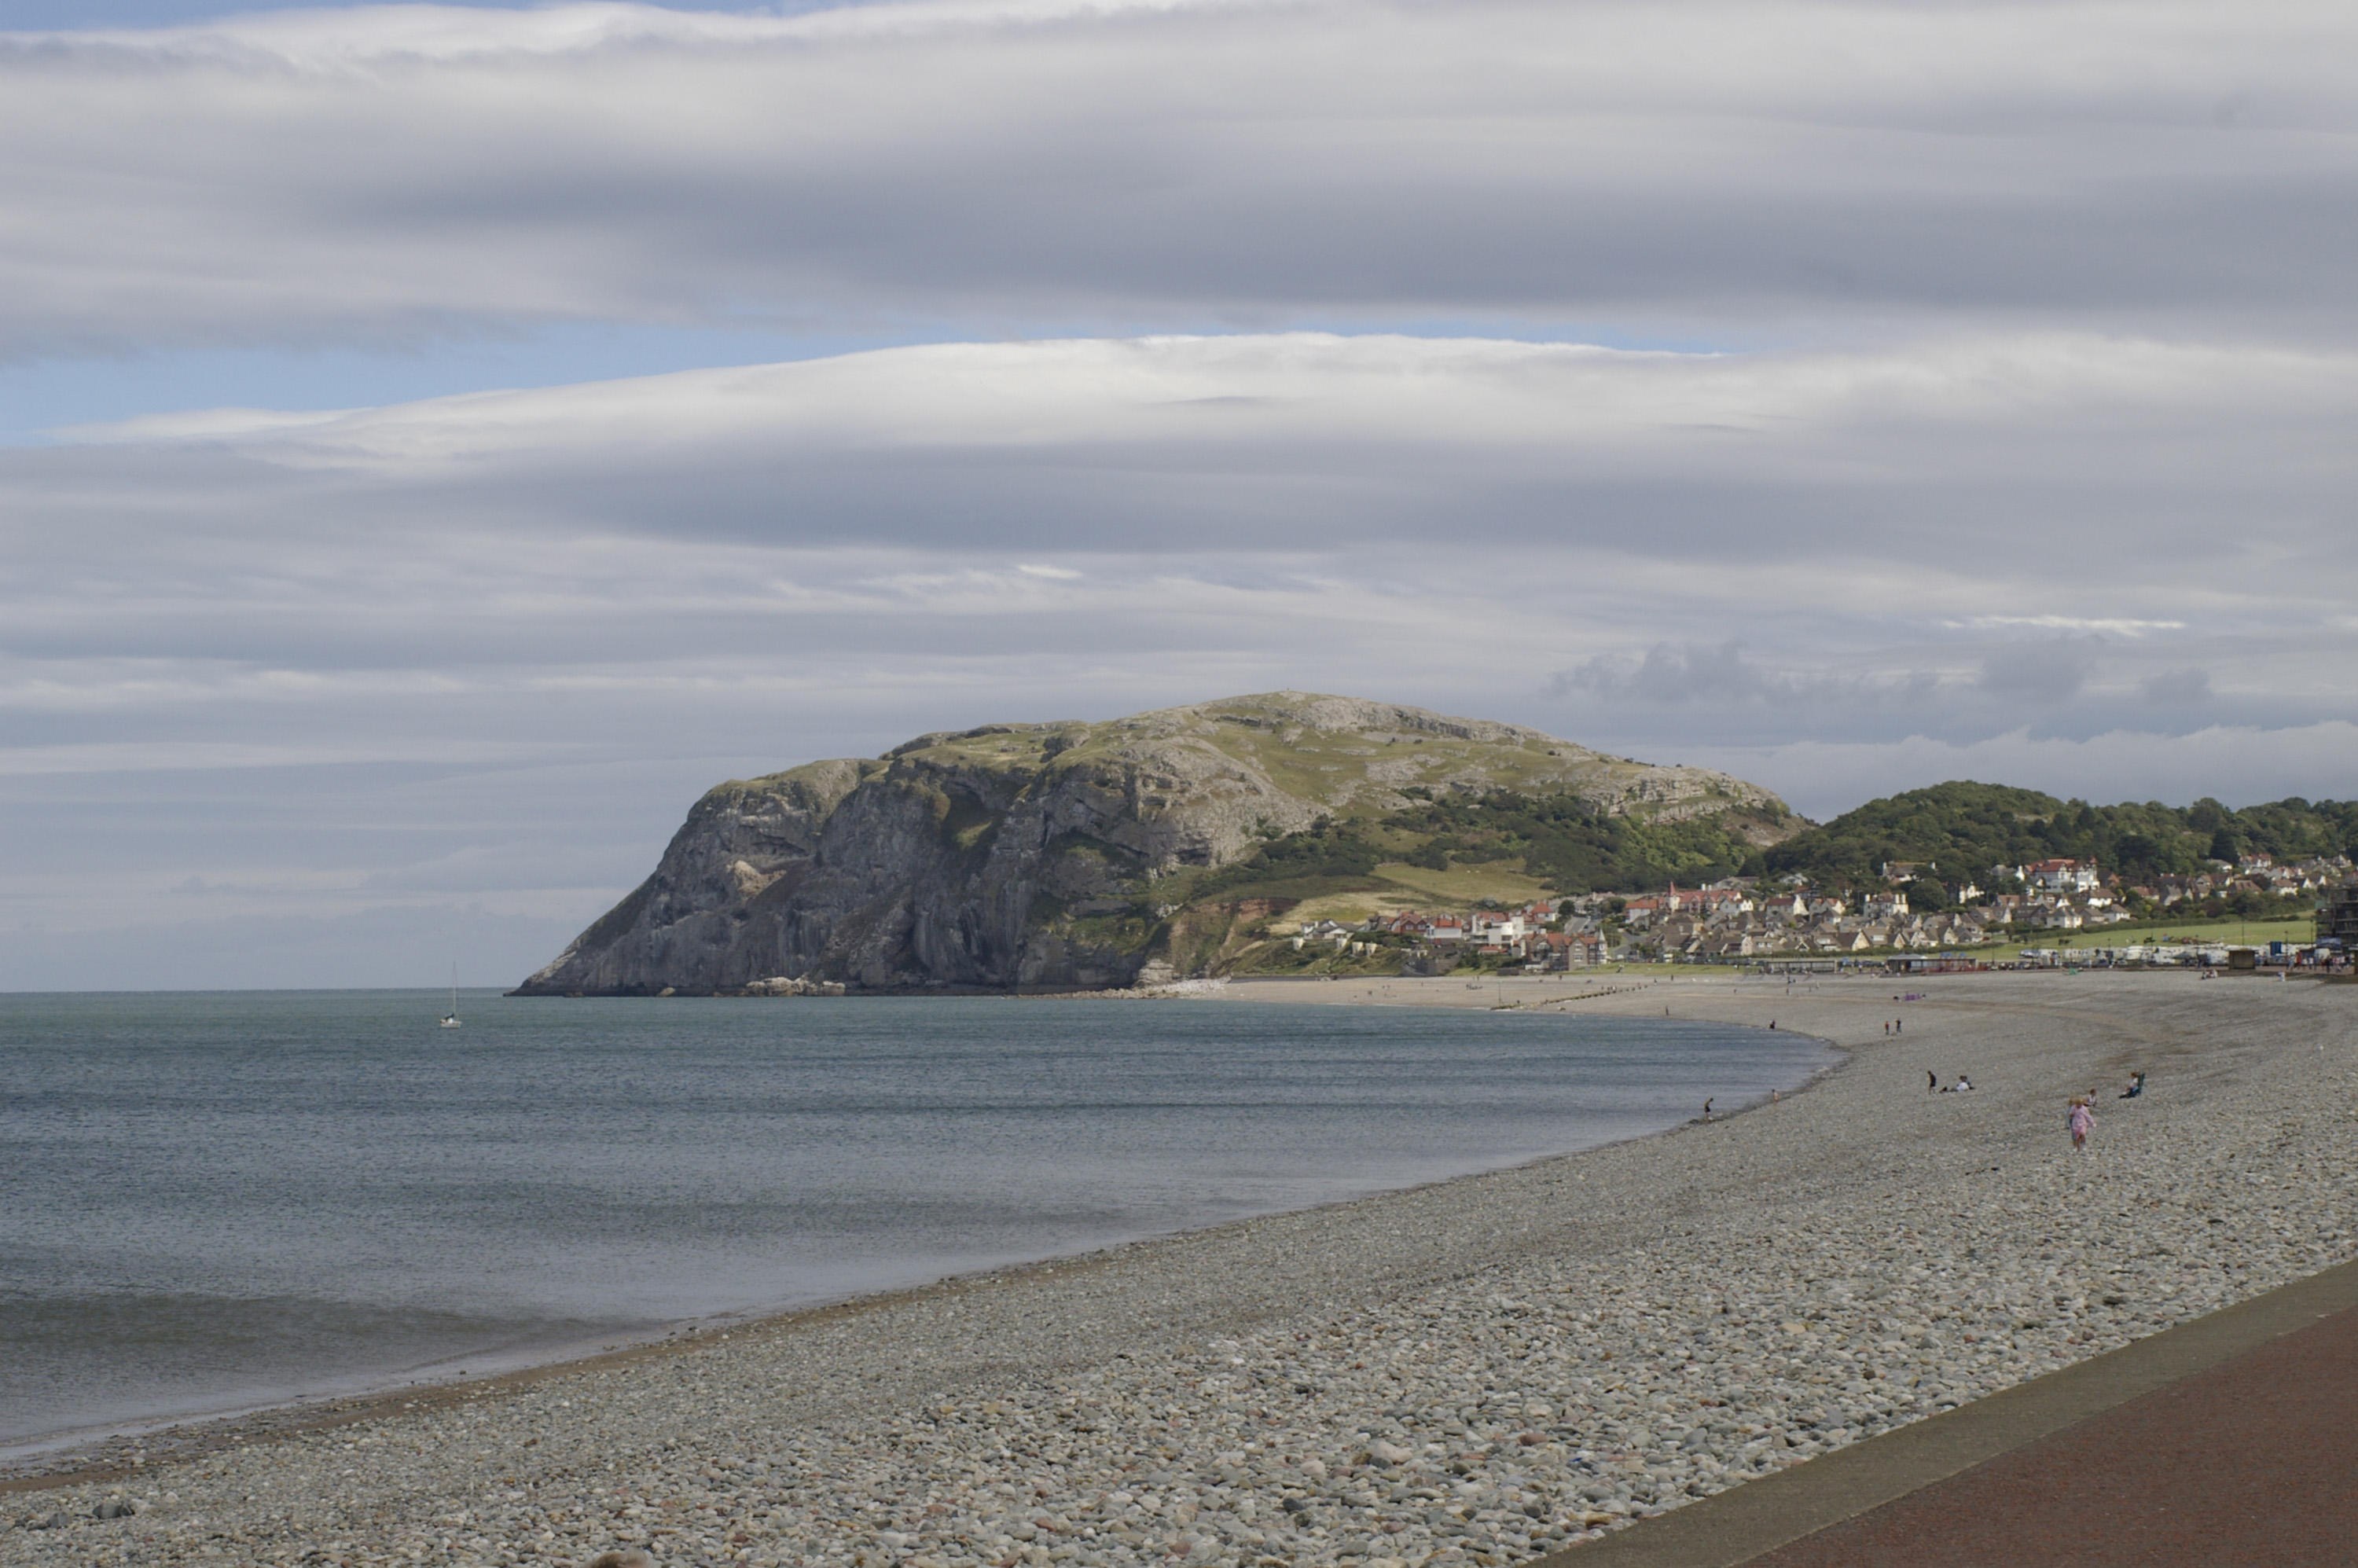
(1495, 925)
(2059, 876)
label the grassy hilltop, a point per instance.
(1408, 810)
(1088, 853)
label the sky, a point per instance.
(438, 442)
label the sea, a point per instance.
(215, 1201)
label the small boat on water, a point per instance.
(450, 1019)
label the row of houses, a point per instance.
(1733, 934)
(1534, 935)
(2253, 873)
(1736, 919)
(1479, 927)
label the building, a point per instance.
(2059, 876)
(1884, 905)
(1498, 926)
(2339, 920)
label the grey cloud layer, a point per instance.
(1954, 539)
(1251, 444)
(1700, 167)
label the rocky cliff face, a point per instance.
(962, 859)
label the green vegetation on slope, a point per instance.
(1966, 828)
(1563, 840)
(1560, 840)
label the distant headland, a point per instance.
(1295, 832)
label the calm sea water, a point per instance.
(219, 1199)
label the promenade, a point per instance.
(2227, 1440)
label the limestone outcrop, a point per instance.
(1021, 854)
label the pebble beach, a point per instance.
(1474, 1372)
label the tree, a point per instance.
(1926, 897)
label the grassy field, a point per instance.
(1461, 887)
(1415, 887)
(2233, 933)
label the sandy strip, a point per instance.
(1470, 1372)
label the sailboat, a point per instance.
(450, 1019)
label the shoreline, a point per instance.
(1473, 1370)
(101, 1452)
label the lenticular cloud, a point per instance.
(385, 175)
(1971, 491)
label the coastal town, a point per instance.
(1914, 913)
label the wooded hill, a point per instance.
(1965, 828)
(1962, 828)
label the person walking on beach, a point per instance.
(2079, 1118)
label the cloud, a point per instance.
(2189, 689)
(1668, 674)
(429, 554)
(386, 175)
(359, 38)
(1262, 442)
(2239, 764)
(390, 945)
(2100, 625)
(198, 425)
(2038, 673)
(1675, 696)
(1718, 678)
(461, 616)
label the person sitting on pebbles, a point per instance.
(2137, 1086)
